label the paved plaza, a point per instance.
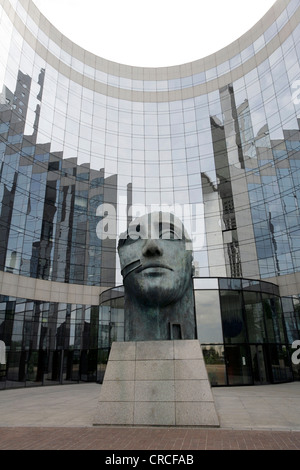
(61, 417)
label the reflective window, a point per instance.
(254, 317)
(234, 330)
(238, 363)
(214, 358)
(208, 316)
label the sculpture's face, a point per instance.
(156, 266)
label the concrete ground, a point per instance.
(61, 417)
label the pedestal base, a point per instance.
(156, 383)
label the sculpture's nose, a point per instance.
(152, 248)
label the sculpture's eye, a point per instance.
(134, 233)
(169, 232)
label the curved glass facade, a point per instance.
(86, 144)
(246, 330)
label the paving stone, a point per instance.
(61, 417)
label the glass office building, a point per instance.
(87, 144)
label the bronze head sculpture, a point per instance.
(156, 265)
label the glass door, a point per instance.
(238, 365)
(259, 364)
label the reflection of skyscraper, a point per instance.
(217, 138)
(230, 237)
(71, 195)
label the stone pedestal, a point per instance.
(156, 383)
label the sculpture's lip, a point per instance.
(154, 265)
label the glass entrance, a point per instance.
(259, 369)
(238, 365)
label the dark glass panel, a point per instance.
(290, 319)
(280, 363)
(232, 316)
(229, 283)
(259, 362)
(254, 317)
(273, 319)
(238, 365)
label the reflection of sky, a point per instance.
(76, 122)
(208, 316)
(60, 112)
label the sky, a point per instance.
(153, 33)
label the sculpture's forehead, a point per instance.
(156, 218)
(149, 226)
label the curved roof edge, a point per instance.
(154, 73)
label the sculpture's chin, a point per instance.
(157, 296)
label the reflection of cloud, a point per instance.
(208, 316)
(208, 306)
